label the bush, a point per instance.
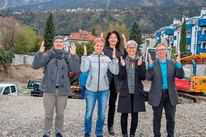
(6, 56)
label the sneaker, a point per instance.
(45, 135)
(58, 135)
(86, 134)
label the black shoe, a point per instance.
(125, 135)
(58, 135)
(111, 130)
(100, 136)
(86, 134)
(131, 135)
(45, 135)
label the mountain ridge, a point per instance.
(34, 5)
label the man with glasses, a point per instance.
(163, 92)
(55, 83)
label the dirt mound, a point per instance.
(20, 73)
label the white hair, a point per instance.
(130, 42)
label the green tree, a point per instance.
(93, 31)
(24, 41)
(183, 37)
(49, 33)
(80, 48)
(136, 35)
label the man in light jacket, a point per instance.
(55, 83)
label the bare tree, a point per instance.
(8, 32)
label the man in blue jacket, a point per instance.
(55, 83)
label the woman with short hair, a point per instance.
(97, 86)
(131, 94)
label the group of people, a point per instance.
(110, 71)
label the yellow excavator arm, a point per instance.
(185, 60)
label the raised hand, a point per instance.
(114, 53)
(42, 48)
(73, 49)
(178, 57)
(150, 59)
(101, 35)
(122, 61)
(125, 41)
(85, 51)
(140, 61)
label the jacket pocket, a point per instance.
(106, 80)
(90, 81)
(175, 89)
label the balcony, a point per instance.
(202, 22)
(189, 26)
(201, 51)
(202, 38)
(169, 32)
(158, 34)
(188, 40)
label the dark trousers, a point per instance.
(112, 103)
(134, 120)
(83, 89)
(170, 116)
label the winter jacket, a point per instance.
(98, 66)
(64, 62)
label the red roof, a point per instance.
(82, 35)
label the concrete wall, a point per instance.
(22, 59)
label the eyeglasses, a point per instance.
(131, 48)
(59, 42)
(160, 50)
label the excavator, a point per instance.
(194, 83)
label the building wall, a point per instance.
(149, 43)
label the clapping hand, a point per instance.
(42, 48)
(140, 61)
(122, 61)
(101, 35)
(150, 59)
(114, 53)
(125, 41)
(85, 51)
(73, 49)
(178, 57)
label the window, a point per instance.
(13, 89)
(84, 36)
(204, 46)
(188, 47)
(6, 91)
(175, 37)
(31, 84)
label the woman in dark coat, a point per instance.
(112, 42)
(131, 97)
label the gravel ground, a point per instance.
(22, 116)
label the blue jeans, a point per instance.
(83, 88)
(91, 97)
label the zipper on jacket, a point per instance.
(98, 72)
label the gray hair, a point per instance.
(130, 42)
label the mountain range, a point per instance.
(34, 5)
